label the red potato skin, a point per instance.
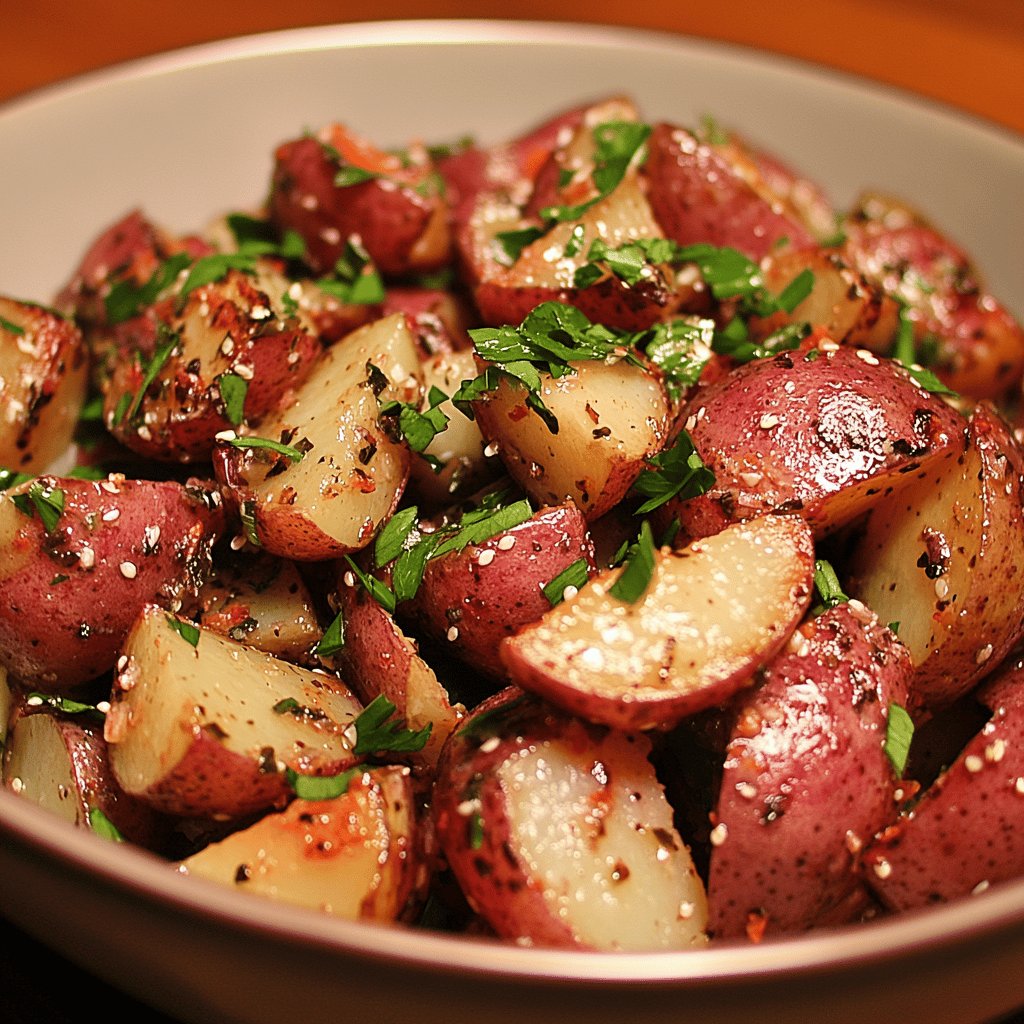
(498, 885)
(57, 634)
(437, 318)
(388, 214)
(981, 346)
(471, 604)
(808, 431)
(697, 196)
(965, 832)
(182, 410)
(806, 780)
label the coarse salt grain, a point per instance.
(110, 515)
(769, 420)
(973, 763)
(453, 633)
(87, 558)
(719, 834)
(129, 570)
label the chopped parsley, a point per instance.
(355, 279)
(826, 583)
(635, 577)
(128, 406)
(247, 515)
(284, 706)
(103, 826)
(65, 705)
(11, 327)
(233, 390)
(678, 471)
(260, 238)
(295, 454)
(47, 501)
(680, 349)
(574, 575)
(378, 732)
(377, 589)
(322, 787)
(416, 427)
(126, 299)
(899, 732)
(510, 244)
(333, 639)
(188, 631)
(12, 478)
(616, 143)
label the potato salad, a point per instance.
(595, 539)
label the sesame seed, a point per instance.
(225, 435)
(244, 371)
(103, 706)
(260, 312)
(866, 357)
(17, 785)
(719, 834)
(486, 557)
(129, 570)
(984, 653)
(467, 807)
(854, 843)
(973, 763)
(111, 514)
(747, 790)
(87, 558)
(768, 420)
(145, 433)
(227, 346)
(691, 422)
(237, 542)
(980, 888)
(570, 592)
(121, 662)
(828, 345)
(491, 450)
(941, 588)
(489, 745)
(109, 486)
(882, 868)
(686, 909)
(453, 633)
(1018, 785)
(995, 751)
(349, 579)
(151, 536)
(34, 701)
(506, 543)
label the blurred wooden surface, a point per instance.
(968, 53)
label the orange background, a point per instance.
(969, 53)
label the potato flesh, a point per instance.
(711, 614)
(944, 559)
(169, 693)
(596, 837)
(611, 416)
(336, 412)
(40, 768)
(349, 857)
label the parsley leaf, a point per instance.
(680, 349)
(47, 501)
(677, 471)
(188, 631)
(126, 299)
(510, 244)
(392, 537)
(10, 327)
(295, 454)
(12, 478)
(355, 279)
(65, 705)
(826, 583)
(128, 406)
(616, 143)
(636, 576)
(377, 732)
(333, 639)
(102, 825)
(322, 787)
(899, 732)
(419, 428)
(574, 575)
(379, 591)
(233, 390)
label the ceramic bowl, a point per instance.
(189, 135)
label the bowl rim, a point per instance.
(135, 873)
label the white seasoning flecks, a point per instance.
(491, 450)
(485, 557)
(569, 593)
(995, 751)
(973, 763)
(984, 653)
(882, 868)
(769, 420)
(1018, 785)
(453, 633)
(941, 588)
(87, 558)
(719, 834)
(867, 357)
(751, 479)
(237, 542)
(111, 515)
(506, 543)
(490, 744)
(980, 887)
(129, 570)
(17, 785)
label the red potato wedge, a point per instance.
(378, 659)
(611, 418)
(43, 377)
(61, 763)
(229, 331)
(806, 781)
(208, 729)
(964, 833)
(69, 595)
(460, 447)
(697, 194)
(979, 346)
(473, 599)
(439, 319)
(263, 602)
(337, 185)
(350, 474)
(842, 303)
(945, 558)
(560, 835)
(356, 856)
(712, 614)
(824, 431)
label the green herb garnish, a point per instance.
(333, 639)
(634, 579)
(47, 501)
(102, 825)
(899, 732)
(188, 631)
(355, 279)
(322, 787)
(265, 443)
(126, 299)
(233, 390)
(167, 341)
(678, 471)
(377, 732)
(826, 583)
(11, 327)
(574, 575)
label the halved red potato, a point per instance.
(170, 397)
(823, 430)
(964, 834)
(378, 659)
(611, 418)
(945, 558)
(979, 346)
(337, 184)
(473, 599)
(61, 763)
(712, 614)
(439, 319)
(70, 593)
(200, 725)
(355, 856)
(560, 835)
(460, 447)
(806, 781)
(261, 601)
(843, 303)
(697, 194)
(43, 376)
(348, 474)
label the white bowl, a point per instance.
(189, 135)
